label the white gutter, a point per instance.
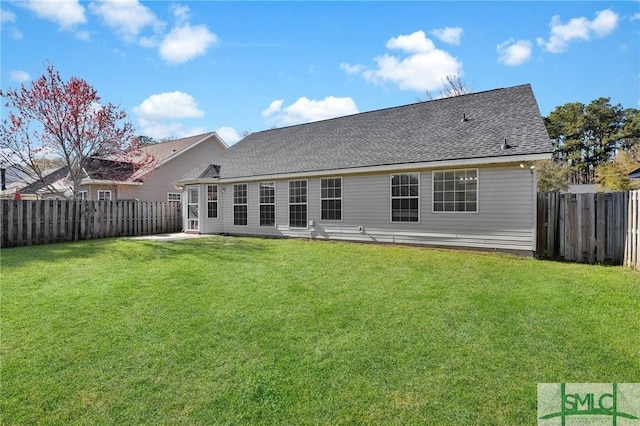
(379, 169)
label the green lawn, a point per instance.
(227, 330)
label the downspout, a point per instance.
(534, 190)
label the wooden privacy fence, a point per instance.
(588, 228)
(52, 221)
(632, 248)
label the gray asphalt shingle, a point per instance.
(421, 132)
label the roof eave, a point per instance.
(108, 182)
(383, 168)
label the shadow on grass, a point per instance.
(207, 248)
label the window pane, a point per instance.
(267, 215)
(298, 191)
(212, 192)
(458, 190)
(298, 216)
(331, 210)
(330, 203)
(193, 196)
(240, 215)
(192, 212)
(405, 197)
(212, 209)
(267, 192)
(240, 193)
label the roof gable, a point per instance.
(48, 180)
(422, 132)
(161, 153)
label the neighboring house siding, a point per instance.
(504, 220)
(92, 192)
(163, 180)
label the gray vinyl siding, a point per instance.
(504, 220)
(161, 181)
(207, 225)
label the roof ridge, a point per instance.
(393, 107)
(198, 136)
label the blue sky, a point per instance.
(188, 67)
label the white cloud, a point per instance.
(65, 13)
(16, 34)
(451, 35)
(606, 21)
(157, 115)
(352, 69)
(126, 17)
(148, 42)
(274, 107)
(19, 76)
(513, 52)
(635, 17)
(168, 105)
(412, 43)
(424, 68)
(305, 110)
(578, 29)
(186, 42)
(161, 130)
(83, 35)
(228, 135)
(181, 12)
(6, 16)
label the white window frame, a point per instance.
(213, 201)
(391, 197)
(104, 191)
(306, 203)
(83, 195)
(273, 184)
(433, 191)
(174, 194)
(333, 199)
(246, 203)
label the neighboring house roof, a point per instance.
(16, 176)
(108, 170)
(635, 174)
(51, 180)
(111, 170)
(422, 132)
(166, 151)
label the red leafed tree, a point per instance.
(53, 118)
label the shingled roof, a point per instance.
(422, 132)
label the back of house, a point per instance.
(450, 172)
